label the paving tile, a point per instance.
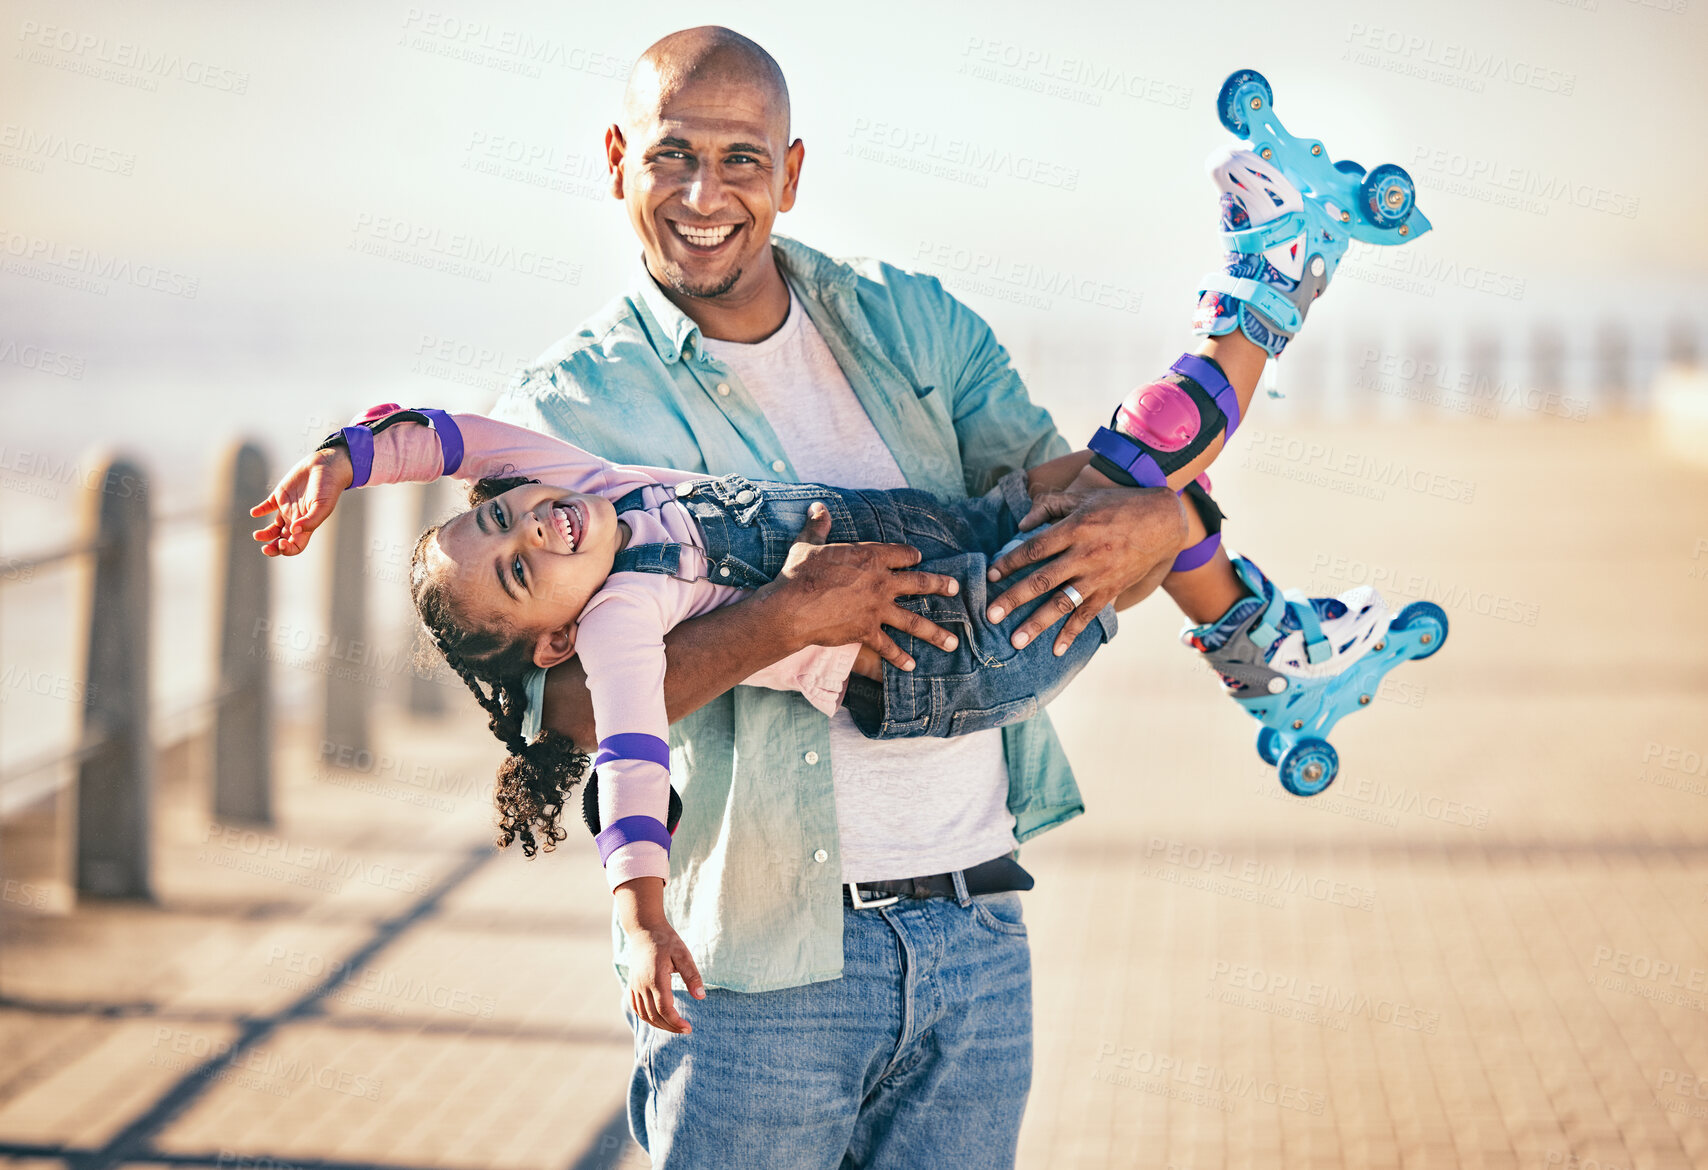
(1521, 979)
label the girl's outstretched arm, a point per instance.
(390, 445)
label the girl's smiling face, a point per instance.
(529, 560)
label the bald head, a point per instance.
(710, 53)
(703, 163)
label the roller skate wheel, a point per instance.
(1269, 745)
(1430, 621)
(1277, 685)
(1231, 111)
(1308, 767)
(1388, 194)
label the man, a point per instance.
(832, 1031)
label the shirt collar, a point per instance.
(677, 329)
(806, 271)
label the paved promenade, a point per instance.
(1485, 946)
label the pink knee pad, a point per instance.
(1161, 416)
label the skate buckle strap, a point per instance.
(1266, 236)
(1282, 312)
(1129, 457)
(1317, 649)
(1268, 627)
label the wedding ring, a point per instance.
(1074, 595)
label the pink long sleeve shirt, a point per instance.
(620, 637)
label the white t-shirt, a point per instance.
(904, 807)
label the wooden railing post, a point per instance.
(243, 709)
(1547, 359)
(115, 779)
(426, 689)
(1613, 363)
(349, 694)
(1681, 347)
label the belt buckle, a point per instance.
(874, 904)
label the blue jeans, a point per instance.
(919, 1056)
(750, 526)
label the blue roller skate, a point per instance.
(1289, 214)
(1298, 665)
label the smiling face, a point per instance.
(528, 561)
(704, 166)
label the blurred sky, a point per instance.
(1044, 159)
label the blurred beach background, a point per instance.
(256, 221)
(260, 224)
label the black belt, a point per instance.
(989, 877)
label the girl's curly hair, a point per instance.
(537, 779)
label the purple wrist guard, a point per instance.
(360, 443)
(359, 440)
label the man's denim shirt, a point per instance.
(754, 865)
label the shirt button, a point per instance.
(811, 757)
(723, 388)
(821, 857)
(779, 466)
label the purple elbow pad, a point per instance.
(1200, 370)
(629, 830)
(633, 745)
(1127, 455)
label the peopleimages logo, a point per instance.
(40, 146)
(1066, 76)
(1523, 187)
(99, 56)
(457, 253)
(964, 160)
(1451, 62)
(87, 269)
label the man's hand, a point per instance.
(1108, 541)
(304, 499)
(842, 593)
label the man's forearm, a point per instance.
(704, 658)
